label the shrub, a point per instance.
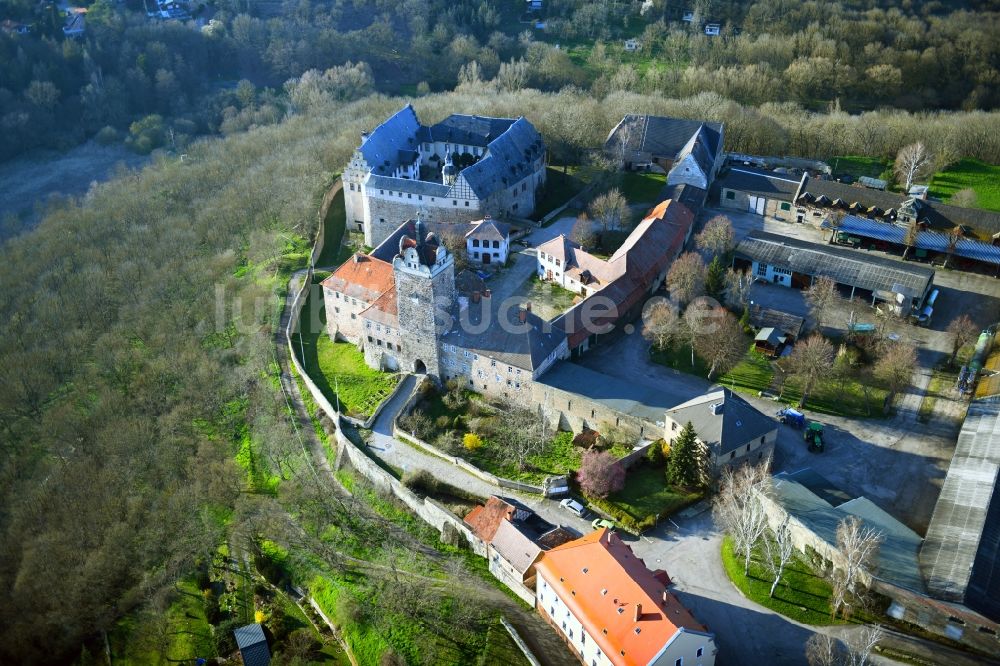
(472, 441)
(655, 455)
(420, 481)
(449, 442)
(107, 136)
(442, 422)
(586, 439)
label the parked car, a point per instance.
(573, 506)
(602, 522)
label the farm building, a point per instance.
(758, 191)
(817, 199)
(891, 237)
(795, 263)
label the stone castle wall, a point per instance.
(383, 215)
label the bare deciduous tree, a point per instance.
(736, 290)
(963, 331)
(822, 296)
(512, 76)
(861, 645)
(738, 507)
(858, 547)
(808, 362)
(966, 198)
(582, 232)
(895, 367)
(520, 434)
(611, 210)
(778, 553)
(912, 162)
(724, 345)
(717, 237)
(661, 324)
(686, 278)
(910, 237)
(824, 650)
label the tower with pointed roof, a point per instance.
(424, 273)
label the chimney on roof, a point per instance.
(664, 602)
(716, 408)
(364, 137)
(476, 296)
(527, 306)
(488, 293)
(522, 315)
(638, 612)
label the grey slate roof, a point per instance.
(759, 182)
(515, 547)
(842, 265)
(508, 161)
(522, 345)
(253, 645)
(961, 555)
(689, 195)
(897, 559)
(489, 229)
(464, 129)
(737, 424)
(424, 187)
(702, 147)
(514, 145)
(632, 398)
(397, 133)
(661, 136)
(933, 213)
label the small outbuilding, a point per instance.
(758, 191)
(252, 643)
(770, 341)
(488, 242)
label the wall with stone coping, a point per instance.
(427, 509)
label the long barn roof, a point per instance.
(844, 266)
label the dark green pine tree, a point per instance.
(686, 464)
(715, 278)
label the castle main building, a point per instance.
(463, 168)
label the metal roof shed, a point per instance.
(879, 275)
(253, 645)
(961, 554)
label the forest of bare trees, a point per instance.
(161, 84)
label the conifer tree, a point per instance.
(687, 465)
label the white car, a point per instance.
(574, 506)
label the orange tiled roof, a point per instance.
(597, 575)
(485, 520)
(362, 277)
(385, 309)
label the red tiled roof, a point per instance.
(647, 252)
(597, 576)
(484, 520)
(385, 309)
(362, 277)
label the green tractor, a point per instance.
(813, 435)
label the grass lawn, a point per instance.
(802, 595)
(755, 373)
(647, 493)
(981, 177)
(501, 650)
(940, 385)
(334, 254)
(642, 187)
(548, 300)
(849, 399)
(190, 634)
(752, 374)
(873, 167)
(559, 188)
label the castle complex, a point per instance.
(461, 169)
